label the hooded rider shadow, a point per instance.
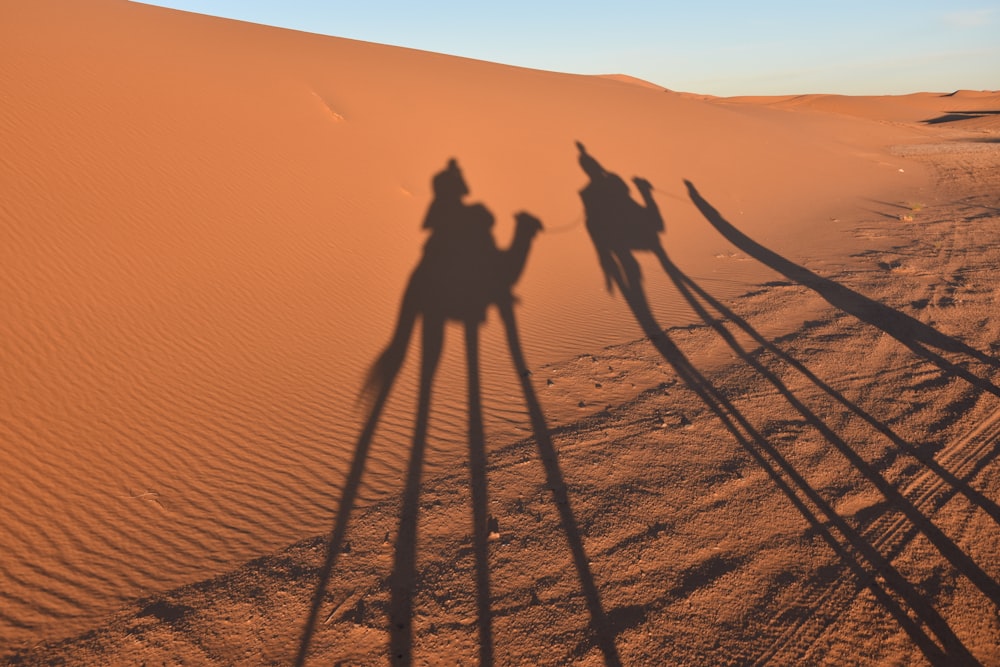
(461, 274)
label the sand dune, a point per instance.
(208, 226)
(635, 81)
(927, 108)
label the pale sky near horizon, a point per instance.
(719, 47)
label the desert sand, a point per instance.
(765, 434)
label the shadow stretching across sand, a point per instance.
(955, 116)
(461, 275)
(912, 333)
(619, 227)
(686, 286)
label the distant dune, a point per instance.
(897, 108)
(625, 78)
(208, 226)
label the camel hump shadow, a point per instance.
(618, 225)
(613, 218)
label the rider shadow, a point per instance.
(461, 275)
(619, 227)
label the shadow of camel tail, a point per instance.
(374, 395)
(911, 332)
(383, 372)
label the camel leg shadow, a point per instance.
(690, 290)
(600, 623)
(861, 557)
(345, 507)
(378, 386)
(962, 562)
(480, 498)
(404, 571)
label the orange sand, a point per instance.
(207, 227)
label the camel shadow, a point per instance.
(619, 227)
(460, 277)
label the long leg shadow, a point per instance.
(686, 286)
(600, 622)
(480, 497)
(698, 298)
(618, 226)
(861, 557)
(461, 274)
(404, 565)
(345, 506)
(947, 548)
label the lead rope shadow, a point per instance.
(461, 274)
(619, 227)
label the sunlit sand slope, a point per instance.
(206, 228)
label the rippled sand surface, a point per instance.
(205, 231)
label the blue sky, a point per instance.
(713, 46)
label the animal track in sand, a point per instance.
(148, 496)
(334, 116)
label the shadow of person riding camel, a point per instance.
(620, 227)
(462, 272)
(461, 275)
(617, 224)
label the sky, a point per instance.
(717, 47)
